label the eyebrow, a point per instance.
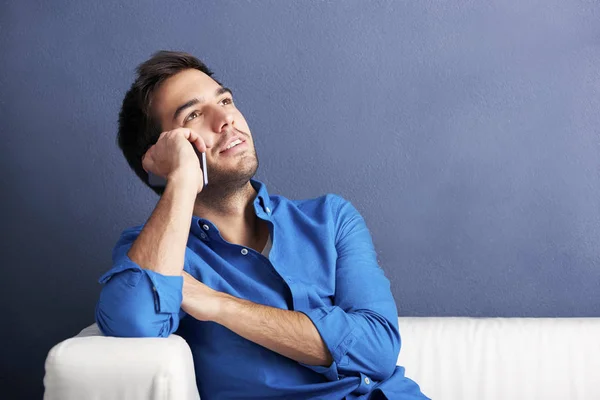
(197, 100)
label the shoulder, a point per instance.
(331, 209)
(329, 200)
(328, 203)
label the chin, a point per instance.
(238, 176)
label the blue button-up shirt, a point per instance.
(321, 263)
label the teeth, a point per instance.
(234, 143)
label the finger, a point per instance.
(200, 144)
(147, 164)
(189, 134)
(162, 135)
(196, 140)
(147, 159)
(187, 277)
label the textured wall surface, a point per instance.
(467, 133)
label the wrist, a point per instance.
(226, 305)
(183, 181)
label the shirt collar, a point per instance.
(262, 206)
(262, 199)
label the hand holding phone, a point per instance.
(160, 182)
(166, 147)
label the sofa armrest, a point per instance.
(93, 366)
(502, 358)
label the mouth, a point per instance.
(232, 144)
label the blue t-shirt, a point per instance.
(321, 263)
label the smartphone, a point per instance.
(160, 182)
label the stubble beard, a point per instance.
(226, 183)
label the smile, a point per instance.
(233, 144)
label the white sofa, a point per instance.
(451, 358)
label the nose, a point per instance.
(222, 119)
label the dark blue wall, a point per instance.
(467, 133)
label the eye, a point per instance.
(192, 116)
(226, 101)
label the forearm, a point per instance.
(289, 333)
(160, 247)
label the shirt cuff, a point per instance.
(124, 263)
(167, 290)
(336, 328)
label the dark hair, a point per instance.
(138, 130)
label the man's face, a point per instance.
(192, 99)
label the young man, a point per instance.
(278, 299)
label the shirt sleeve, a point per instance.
(137, 302)
(361, 328)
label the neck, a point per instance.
(231, 209)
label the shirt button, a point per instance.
(367, 381)
(244, 252)
(268, 210)
(154, 288)
(205, 227)
(203, 235)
